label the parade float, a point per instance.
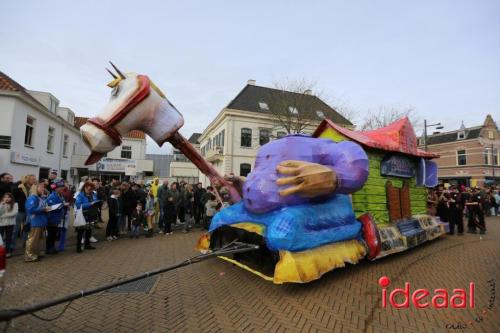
(311, 203)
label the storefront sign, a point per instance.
(22, 158)
(397, 165)
(116, 165)
(130, 170)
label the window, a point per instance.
(486, 153)
(5, 142)
(65, 145)
(491, 136)
(280, 135)
(74, 148)
(263, 136)
(222, 134)
(293, 110)
(53, 105)
(263, 106)
(28, 133)
(461, 135)
(126, 152)
(245, 169)
(246, 137)
(461, 157)
(64, 174)
(320, 114)
(50, 140)
(496, 158)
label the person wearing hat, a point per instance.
(55, 215)
(87, 201)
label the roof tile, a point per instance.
(250, 97)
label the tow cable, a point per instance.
(230, 248)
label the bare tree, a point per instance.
(291, 105)
(386, 115)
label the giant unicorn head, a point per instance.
(137, 104)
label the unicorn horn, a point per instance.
(117, 70)
(110, 72)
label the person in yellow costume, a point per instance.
(154, 189)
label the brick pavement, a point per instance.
(215, 296)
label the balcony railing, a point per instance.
(215, 154)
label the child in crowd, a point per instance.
(115, 206)
(138, 220)
(211, 209)
(8, 213)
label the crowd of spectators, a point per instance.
(32, 209)
(455, 203)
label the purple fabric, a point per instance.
(348, 159)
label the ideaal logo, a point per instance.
(423, 298)
(440, 298)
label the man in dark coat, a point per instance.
(197, 204)
(5, 183)
(129, 203)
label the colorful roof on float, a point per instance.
(398, 137)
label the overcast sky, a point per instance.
(441, 57)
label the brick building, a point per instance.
(469, 155)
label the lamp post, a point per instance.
(438, 126)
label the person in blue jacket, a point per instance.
(36, 210)
(87, 201)
(55, 216)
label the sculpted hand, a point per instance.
(235, 181)
(307, 179)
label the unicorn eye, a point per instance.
(115, 90)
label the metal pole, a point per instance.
(493, 163)
(425, 135)
(231, 248)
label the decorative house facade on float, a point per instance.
(395, 192)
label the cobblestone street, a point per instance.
(214, 296)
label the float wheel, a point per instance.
(371, 235)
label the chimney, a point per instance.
(251, 82)
(308, 92)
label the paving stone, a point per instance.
(198, 299)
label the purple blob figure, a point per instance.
(347, 159)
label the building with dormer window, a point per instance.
(230, 142)
(469, 156)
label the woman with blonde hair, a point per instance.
(21, 193)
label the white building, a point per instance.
(126, 160)
(230, 142)
(36, 134)
(181, 169)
